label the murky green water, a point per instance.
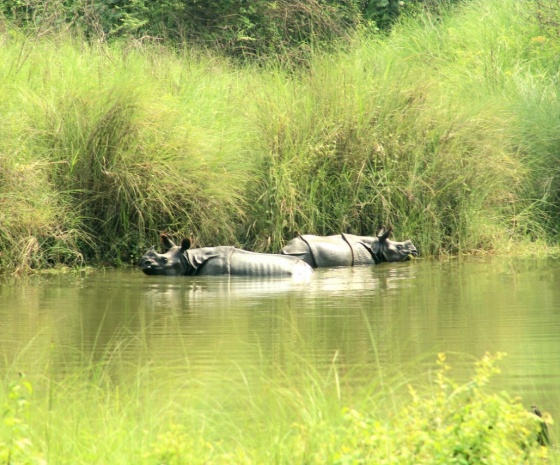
(397, 315)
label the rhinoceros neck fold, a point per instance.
(377, 256)
(310, 247)
(345, 239)
(367, 243)
(186, 263)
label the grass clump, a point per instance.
(37, 227)
(128, 179)
(124, 162)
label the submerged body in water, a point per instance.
(349, 250)
(181, 260)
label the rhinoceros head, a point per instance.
(171, 263)
(392, 251)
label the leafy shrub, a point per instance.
(239, 28)
(454, 423)
(16, 444)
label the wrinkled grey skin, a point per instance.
(224, 260)
(349, 250)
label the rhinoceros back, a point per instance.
(212, 261)
(209, 261)
(320, 251)
(336, 250)
(245, 263)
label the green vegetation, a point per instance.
(244, 30)
(155, 418)
(445, 128)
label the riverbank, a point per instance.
(445, 129)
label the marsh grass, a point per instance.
(37, 226)
(419, 130)
(128, 157)
(442, 129)
(114, 411)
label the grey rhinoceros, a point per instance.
(348, 250)
(223, 260)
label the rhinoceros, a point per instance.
(348, 250)
(181, 260)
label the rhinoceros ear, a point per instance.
(185, 244)
(383, 234)
(167, 242)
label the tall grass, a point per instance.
(131, 141)
(108, 412)
(37, 227)
(443, 129)
(421, 130)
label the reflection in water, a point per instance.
(359, 319)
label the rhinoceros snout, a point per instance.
(146, 263)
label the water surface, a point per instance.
(359, 320)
